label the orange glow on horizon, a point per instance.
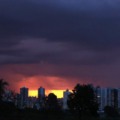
(58, 93)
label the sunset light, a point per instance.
(33, 93)
(58, 93)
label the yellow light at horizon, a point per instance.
(33, 93)
(58, 93)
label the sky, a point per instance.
(59, 43)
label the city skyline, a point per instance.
(60, 93)
(34, 93)
(58, 43)
(93, 100)
(104, 96)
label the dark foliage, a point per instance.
(8, 111)
(3, 84)
(111, 111)
(83, 101)
(52, 102)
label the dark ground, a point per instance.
(9, 112)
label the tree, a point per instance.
(83, 100)
(52, 102)
(3, 84)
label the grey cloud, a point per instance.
(91, 26)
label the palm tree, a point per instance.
(3, 84)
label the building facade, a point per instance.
(108, 97)
(41, 92)
(24, 96)
(65, 98)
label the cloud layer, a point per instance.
(75, 40)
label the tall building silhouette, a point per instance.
(41, 97)
(118, 98)
(104, 97)
(24, 96)
(41, 92)
(65, 98)
(115, 98)
(108, 97)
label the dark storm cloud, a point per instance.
(61, 32)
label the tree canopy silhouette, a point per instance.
(3, 84)
(83, 100)
(52, 102)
